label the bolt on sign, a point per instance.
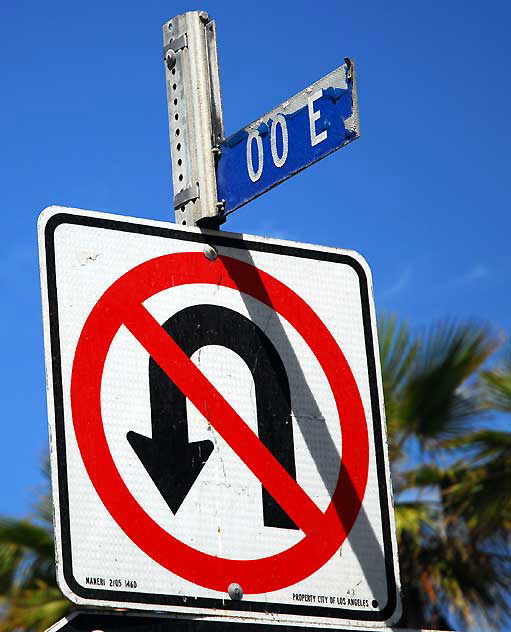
(218, 443)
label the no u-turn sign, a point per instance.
(218, 442)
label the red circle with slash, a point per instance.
(324, 532)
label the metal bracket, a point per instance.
(191, 193)
(176, 44)
(217, 119)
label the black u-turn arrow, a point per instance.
(170, 460)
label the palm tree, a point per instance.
(29, 597)
(453, 555)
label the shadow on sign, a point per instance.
(363, 538)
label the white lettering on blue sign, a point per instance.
(313, 117)
(252, 174)
(279, 120)
(279, 161)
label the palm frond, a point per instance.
(35, 609)
(26, 535)
(397, 351)
(397, 354)
(451, 529)
(479, 492)
(438, 401)
(411, 518)
(26, 555)
(426, 475)
(10, 558)
(496, 385)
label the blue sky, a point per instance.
(423, 194)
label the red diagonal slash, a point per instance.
(122, 304)
(222, 416)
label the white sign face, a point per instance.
(217, 432)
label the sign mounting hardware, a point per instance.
(213, 175)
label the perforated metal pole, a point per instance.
(195, 116)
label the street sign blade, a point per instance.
(299, 132)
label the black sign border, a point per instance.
(212, 238)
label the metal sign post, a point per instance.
(195, 116)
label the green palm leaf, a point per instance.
(439, 401)
(35, 609)
(480, 491)
(397, 354)
(29, 549)
(29, 595)
(497, 386)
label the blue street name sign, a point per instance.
(299, 132)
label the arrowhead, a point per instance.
(172, 468)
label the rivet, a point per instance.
(235, 591)
(211, 254)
